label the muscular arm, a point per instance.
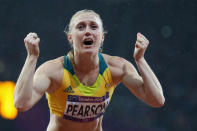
(146, 87)
(30, 86)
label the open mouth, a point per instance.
(88, 42)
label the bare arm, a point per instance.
(147, 87)
(30, 86)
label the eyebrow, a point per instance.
(91, 22)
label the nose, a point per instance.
(87, 32)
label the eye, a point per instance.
(80, 27)
(94, 27)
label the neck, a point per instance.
(86, 62)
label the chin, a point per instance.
(90, 51)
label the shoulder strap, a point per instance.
(102, 64)
(68, 65)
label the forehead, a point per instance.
(86, 17)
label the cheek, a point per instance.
(76, 37)
(99, 38)
(98, 34)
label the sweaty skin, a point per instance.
(32, 84)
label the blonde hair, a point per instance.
(68, 28)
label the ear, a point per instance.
(69, 38)
(103, 37)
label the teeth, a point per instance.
(88, 40)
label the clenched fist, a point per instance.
(140, 46)
(32, 42)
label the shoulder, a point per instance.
(50, 66)
(118, 67)
(115, 61)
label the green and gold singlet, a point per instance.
(77, 102)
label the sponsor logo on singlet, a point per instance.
(68, 90)
(85, 108)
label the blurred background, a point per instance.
(170, 26)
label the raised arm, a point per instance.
(146, 87)
(30, 86)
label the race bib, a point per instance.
(85, 108)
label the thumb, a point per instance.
(136, 45)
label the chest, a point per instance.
(87, 79)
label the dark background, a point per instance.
(170, 26)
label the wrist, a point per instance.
(31, 56)
(32, 59)
(141, 59)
